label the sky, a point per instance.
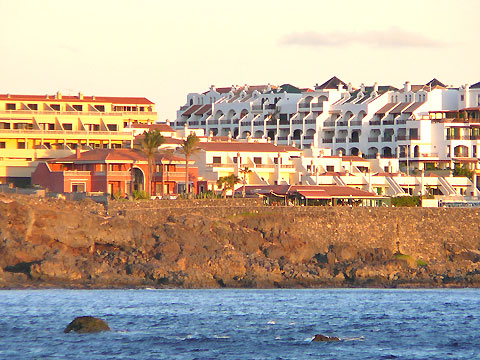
(163, 50)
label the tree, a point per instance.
(149, 145)
(228, 183)
(244, 171)
(189, 148)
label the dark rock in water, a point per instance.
(320, 337)
(87, 324)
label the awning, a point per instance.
(386, 109)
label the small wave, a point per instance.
(359, 338)
(271, 322)
(221, 336)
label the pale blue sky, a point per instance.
(163, 50)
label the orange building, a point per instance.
(114, 171)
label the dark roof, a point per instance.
(475, 86)
(331, 84)
(311, 191)
(191, 110)
(434, 82)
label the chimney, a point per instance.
(93, 97)
(210, 135)
(340, 87)
(375, 87)
(59, 95)
(350, 87)
(80, 96)
(78, 154)
(46, 96)
(362, 88)
(229, 136)
(340, 153)
(407, 87)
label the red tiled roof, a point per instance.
(114, 155)
(312, 191)
(244, 147)
(386, 108)
(191, 110)
(413, 107)
(68, 98)
(399, 108)
(204, 109)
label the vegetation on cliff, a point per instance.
(239, 243)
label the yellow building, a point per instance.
(39, 127)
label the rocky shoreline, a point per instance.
(50, 243)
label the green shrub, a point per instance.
(140, 195)
(406, 201)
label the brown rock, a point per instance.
(323, 338)
(87, 324)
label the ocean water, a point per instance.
(243, 324)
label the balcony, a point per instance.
(264, 166)
(308, 137)
(407, 137)
(193, 123)
(373, 139)
(387, 139)
(257, 108)
(258, 123)
(304, 105)
(356, 122)
(119, 173)
(342, 123)
(388, 122)
(76, 173)
(228, 121)
(247, 123)
(213, 122)
(327, 141)
(317, 105)
(329, 124)
(310, 121)
(341, 140)
(374, 122)
(353, 140)
(220, 165)
(297, 121)
(459, 137)
(401, 121)
(282, 138)
(287, 166)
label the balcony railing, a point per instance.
(342, 123)
(258, 122)
(387, 139)
(304, 105)
(213, 122)
(353, 140)
(356, 122)
(329, 124)
(287, 166)
(340, 140)
(373, 139)
(407, 137)
(317, 105)
(458, 137)
(297, 121)
(327, 141)
(225, 122)
(247, 123)
(119, 173)
(374, 122)
(77, 113)
(76, 173)
(257, 107)
(401, 121)
(193, 123)
(308, 137)
(388, 122)
(63, 132)
(264, 166)
(310, 121)
(221, 165)
(281, 138)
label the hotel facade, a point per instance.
(34, 128)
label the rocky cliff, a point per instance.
(191, 244)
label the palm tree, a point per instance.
(189, 148)
(244, 171)
(228, 183)
(149, 145)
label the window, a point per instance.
(330, 168)
(275, 160)
(55, 107)
(4, 125)
(78, 107)
(3, 145)
(78, 187)
(257, 160)
(67, 127)
(478, 100)
(33, 106)
(11, 106)
(142, 108)
(474, 151)
(462, 97)
(100, 108)
(21, 145)
(112, 127)
(217, 159)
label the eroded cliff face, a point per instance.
(47, 242)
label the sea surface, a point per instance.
(243, 324)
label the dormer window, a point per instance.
(11, 106)
(33, 106)
(78, 107)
